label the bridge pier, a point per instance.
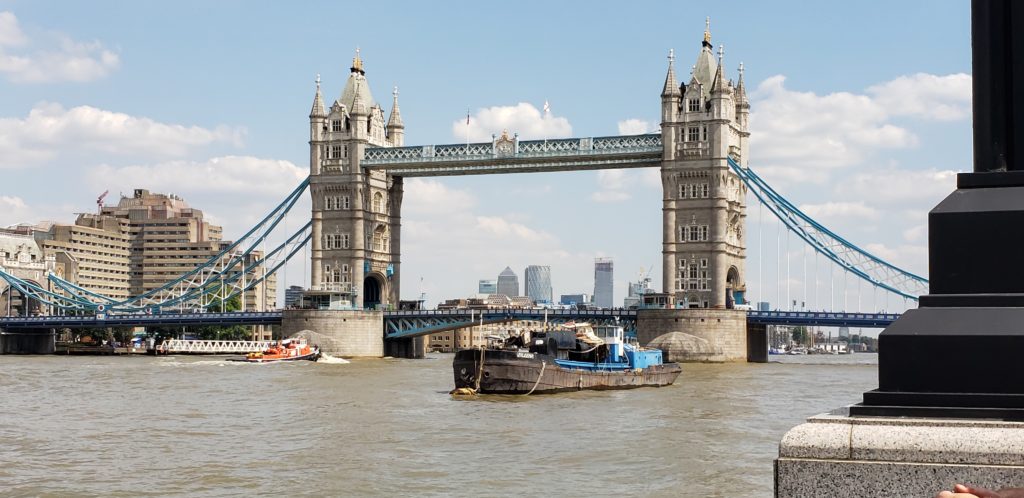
(695, 335)
(757, 343)
(28, 342)
(349, 333)
(413, 347)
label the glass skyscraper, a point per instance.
(603, 282)
(538, 283)
(508, 283)
(488, 287)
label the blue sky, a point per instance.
(861, 113)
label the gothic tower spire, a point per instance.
(671, 86)
(318, 102)
(396, 129)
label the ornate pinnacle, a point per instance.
(707, 30)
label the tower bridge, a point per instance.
(358, 160)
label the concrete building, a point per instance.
(168, 238)
(604, 282)
(704, 124)
(93, 253)
(508, 282)
(488, 287)
(538, 283)
(356, 212)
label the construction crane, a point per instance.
(99, 201)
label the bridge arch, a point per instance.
(374, 289)
(733, 291)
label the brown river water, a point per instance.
(202, 426)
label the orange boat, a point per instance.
(286, 350)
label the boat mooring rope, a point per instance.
(535, 384)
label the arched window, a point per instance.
(378, 238)
(378, 202)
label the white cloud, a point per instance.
(802, 134)
(431, 197)
(635, 126)
(899, 186)
(617, 185)
(522, 118)
(613, 184)
(228, 174)
(10, 31)
(504, 230)
(943, 98)
(50, 128)
(14, 210)
(61, 58)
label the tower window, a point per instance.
(704, 133)
(336, 125)
(335, 152)
(378, 202)
(345, 202)
(344, 240)
(692, 134)
(693, 105)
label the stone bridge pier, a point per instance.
(28, 341)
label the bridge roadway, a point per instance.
(403, 324)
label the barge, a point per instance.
(559, 361)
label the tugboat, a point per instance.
(286, 350)
(562, 360)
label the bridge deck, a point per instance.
(566, 154)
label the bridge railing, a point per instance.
(648, 143)
(512, 312)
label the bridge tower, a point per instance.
(703, 123)
(356, 212)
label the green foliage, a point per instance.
(801, 336)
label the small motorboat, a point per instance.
(286, 350)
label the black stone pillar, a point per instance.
(960, 353)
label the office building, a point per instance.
(292, 295)
(603, 282)
(508, 282)
(488, 287)
(537, 280)
(574, 299)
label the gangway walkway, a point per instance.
(183, 346)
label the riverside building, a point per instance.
(93, 252)
(168, 238)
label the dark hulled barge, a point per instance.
(564, 360)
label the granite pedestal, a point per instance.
(836, 455)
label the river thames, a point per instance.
(202, 426)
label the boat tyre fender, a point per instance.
(543, 364)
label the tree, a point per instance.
(800, 335)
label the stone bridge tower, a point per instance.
(704, 122)
(356, 212)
